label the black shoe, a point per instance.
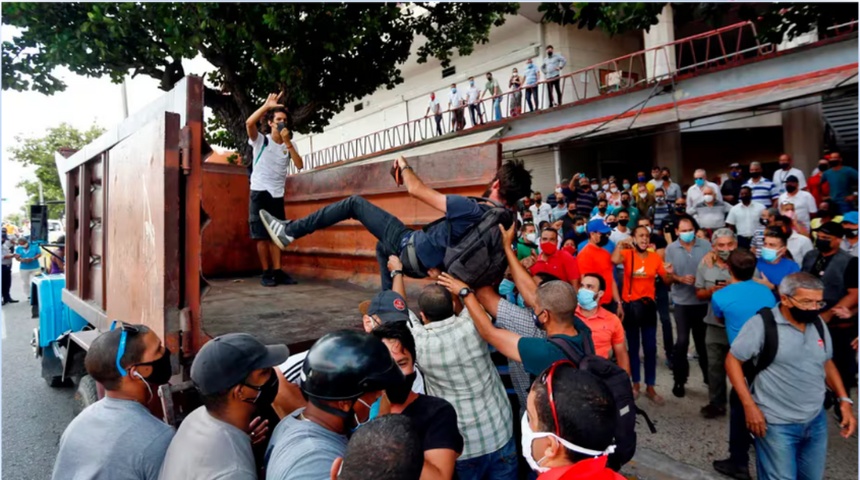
(730, 469)
(277, 229)
(10, 300)
(283, 279)
(713, 411)
(678, 390)
(268, 279)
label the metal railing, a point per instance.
(676, 60)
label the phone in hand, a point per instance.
(396, 174)
(720, 283)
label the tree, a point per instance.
(39, 152)
(321, 55)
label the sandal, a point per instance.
(655, 397)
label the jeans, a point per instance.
(532, 98)
(498, 465)
(646, 329)
(717, 342)
(739, 435)
(384, 226)
(438, 119)
(844, 356)
(662, 300)
(497, 108)
(690, 318)
(556, 85)
(793, 451)
(7, 282)
(475, 113)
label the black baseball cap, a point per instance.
(227, 360)
(831, 228)
(791, 179)
(388, 305)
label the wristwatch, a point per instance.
(395, 273)
(846, 400)
(465, 292)
(407, 167)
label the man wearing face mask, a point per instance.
(551, 70)
(584, 198)
(780, 177)
(473, 98)
(569, 428)
(849, 224)
(554, 261)
(436, 109)
(599, 211)
(842, 182)
(457, 104)
(595, 256)
(527, 243)
(672, 189)
(235, 377)
(660, 210)
(607, 333)
(642, 185)
(818, 190)
(786, 416)
(117, 438)
(744, 217)
(767, 219)
(763, 190)
(803, 201)
(343, 376)
(559, 211)
(710, 212)
(774, 264)
(695, 193)
(731, 188)
(838, 270)
(540, 211)
(493, 89)
(631, 208)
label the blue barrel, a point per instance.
(55, 318)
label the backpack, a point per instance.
(250, 166)
(619, 384)
(478, 259)
(771, 342)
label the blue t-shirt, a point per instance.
(775, 272)
(609, 247)
(843, 182)
(461, 214)
(30, 252)
(738, 302)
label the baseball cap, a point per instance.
(598, 226)
(791, 178)
(831, 228)
(735, 165)
(850, 217)
(388, 305)
(227, 360)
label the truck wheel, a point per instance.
(87, 393)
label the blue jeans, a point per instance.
(793, 451)
(532, 98)
(497, 108)
(662, 299)
(498, 465)
(649, 345)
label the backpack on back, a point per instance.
(478, 259)
(771, 342)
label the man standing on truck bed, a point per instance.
(269, 165)
(420, 250)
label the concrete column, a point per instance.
(803, 132)
(661, 61)
(556, 150)
(668, 152)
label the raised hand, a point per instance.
(509, 235)
(273, 101)
(394, 263)
(451, 284)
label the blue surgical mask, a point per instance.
(506, 287)
(700, 182)
(687, 237)
(580, 229)
(626, 186)
(472, 83)
(586, 298)
(453, 90)
(769, 254)
(374, 412)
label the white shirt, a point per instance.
(434, 107)
(846, 246)
(745, 218)
(799, 245)
(695, 195)
(473, 94)
(617, 235)
(804, 205)
(541, 214)
(270, 167)
(780, 176)
(455, 99)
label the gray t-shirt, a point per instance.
(113, 439)
(206, 448)
(301, 449)
(791, 389)
(686, 263)
(707, 278)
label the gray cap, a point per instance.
(227, 360)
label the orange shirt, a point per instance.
(594, 259)
(560, 264)
(645, 271)
(606, 329)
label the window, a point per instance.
(447, 72)
(358, 107)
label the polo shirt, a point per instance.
(434, 107)
(538, 354)
(30, 252)
(644, 274)
(588, 469)
(271, 163)
(745, 218)
(780, 176)
(596, 260)
(842, 182)
(455, 100)
(711, 216)
(738, 302)
(473, 94)
(791, 389)
(606, 329)
(540, 213)
(775, 272)
(686, 263)
(695, 195)
(561, 264)
(707, 277)
(763, 191)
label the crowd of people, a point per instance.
(472, 97)
(584, 279)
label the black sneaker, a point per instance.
(11, 300)
(283, 278)
(268, 279)
(678, 390)
(731, 469)
(277, 229)
(713, 411)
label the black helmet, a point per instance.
(346, 364)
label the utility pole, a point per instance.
(124, 93)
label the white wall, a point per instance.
(542, 166)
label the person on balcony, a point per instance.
(531, 78)
(551, 69)
(492, 87)
(270, 164)
(474, 98)
(434, 107)
(515, 84)
(421, 250)
(457, 104)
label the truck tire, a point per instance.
(87, 393)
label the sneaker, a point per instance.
(678, 390)
(713, 411)
(283, 279)
(11, 300)
(268, 279)
(730, 469)
(277, 229)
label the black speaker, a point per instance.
(39, 223)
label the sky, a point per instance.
(84, 102)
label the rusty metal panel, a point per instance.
(96, 273)
(72, 229)
(143, 205)
(226, 237)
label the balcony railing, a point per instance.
(673, 61)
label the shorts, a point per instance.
(263, 200)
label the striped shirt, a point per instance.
(518, 320)
(457, 366)
(658, 213)
(763, 192)
(585, 202)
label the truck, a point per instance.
(156, 235)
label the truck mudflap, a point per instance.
(77, 345)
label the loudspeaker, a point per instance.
(39, 223)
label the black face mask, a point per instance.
(161, 370)
(666, 178)
(804, 316)
(639, 249)
(601, 209)
(398, 394)
(604, 239)
(791, 188)
(266, 392)
(625, 203)
(745, 199)
(612, 224)
(763, 221)
(755, 175)
(624, 222)
(850, 233)
(783, 165)
(835, 163)
(823, 246)
(680, 208)
(823, 168)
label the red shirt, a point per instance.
(817, 189)
(561, 264)
(591, 469)
(594, 259)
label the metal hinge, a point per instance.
(185, 149)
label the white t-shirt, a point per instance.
(542, 213)
(616, 235)
(434, 107)
(473, 93)
(799, 246)
(455, 99)
(270, 167)
(745, 218)
(780, 176)
(804, 205)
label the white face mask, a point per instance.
(595, 187)
(528, 436)
(708, 198)
(642, 195)
(530, 237)
(613, 189)
(605, 187)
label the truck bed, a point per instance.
(295, 315)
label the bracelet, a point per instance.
(846, 400)
(407, 167)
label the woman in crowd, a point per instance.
(515, 85)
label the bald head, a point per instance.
(559, 298)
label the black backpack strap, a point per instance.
(819, 325)
(768, 350)
(648, 421)
(568, 350)
(487, 200)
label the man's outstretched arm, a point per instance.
(251, 122)
(417, 189)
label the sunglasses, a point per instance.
(126, 331)
(546, 379)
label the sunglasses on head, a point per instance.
(126, 331)
(546, 379)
